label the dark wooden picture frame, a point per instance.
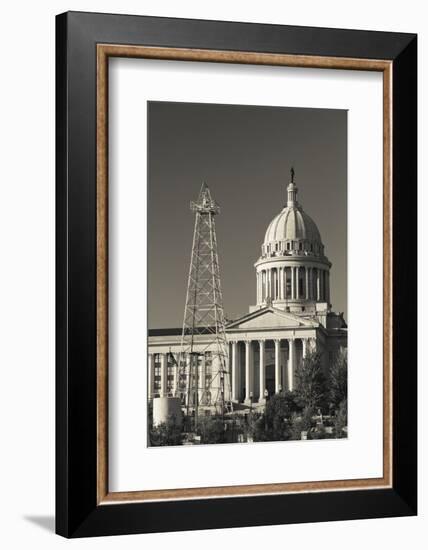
(84, 505)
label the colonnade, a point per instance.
(293, 283)
(247, 376)
(283, 381)
(163, 375)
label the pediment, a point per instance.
(270, 318)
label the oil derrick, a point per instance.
(203, 377)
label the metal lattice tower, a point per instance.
(204, 321)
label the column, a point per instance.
(322, 295)
(285, 283)
(297, 283)
(274, 283)
(263, 293)
(293, 295)
(249, 368)
(328, 287)
(188, 376)
(262, 371)
(272, 278)
(261, 286)
(307, 282)
(304, 347)
(280, 283)
(202, 381)
(151, 376)
(176, 373)
(235, 372)
(257, 287)
(291, 361)
(164, 375)
(318, 286)
(278, 381)
(314, 284)
(269, 285)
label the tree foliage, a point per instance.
(338, 379)
(311, 382)
(301, 423)
(273, 424)
(211, 430)
(341, 419)
(167, 433)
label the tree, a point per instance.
(310, 382)
(273, 425)
(166, 433)
(211, 430)
(301, 423)
(338, 380)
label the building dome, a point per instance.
(292, 231)
(292, 224)
(293, 271)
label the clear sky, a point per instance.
(244, 154)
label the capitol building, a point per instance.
(292, 316)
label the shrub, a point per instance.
(167, 433)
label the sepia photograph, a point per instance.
(247, 274)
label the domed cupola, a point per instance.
(293, 271)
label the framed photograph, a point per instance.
(236, 274)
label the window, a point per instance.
(300, 286)
(288, 246)
(208, 369)
(157, 378)
(288, 287)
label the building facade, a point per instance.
(292, 316)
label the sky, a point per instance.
(244, 154)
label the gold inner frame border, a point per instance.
(104, 52)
